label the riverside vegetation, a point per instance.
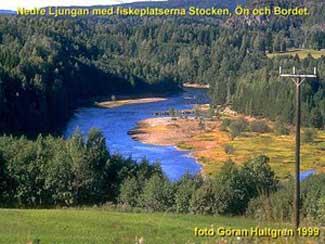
(53, 172)
(214, 138)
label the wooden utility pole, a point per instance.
(298, 79)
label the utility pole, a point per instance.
(298, 79)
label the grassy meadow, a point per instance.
(100, 226)
(302, 53)
(97, 225)
(209, 149)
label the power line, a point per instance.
(298, 80)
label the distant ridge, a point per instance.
(187, 3)
(7, 12)
(231, 4)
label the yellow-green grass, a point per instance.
(208, 148)
(280, 150)
(106, 226)
(302, 53)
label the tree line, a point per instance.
(50, 172)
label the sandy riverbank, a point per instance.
(185, 134)
(207, 144)
(195, 85)
(118, 103)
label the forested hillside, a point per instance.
(47, 65)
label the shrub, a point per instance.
(226, 122)
(309, 135)
(259, 126)
(211, 112)
(236, 186)
(229, 149)
(203, 200)
(158, 194)
(278, 205)
(281, 128)
(186, 186)
(237, 127)
(201, 124)
(229, 190)
(259, 176)
(313, 194)
(129, 192)
(321, 210)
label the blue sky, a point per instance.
(13, 4)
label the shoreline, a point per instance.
(181, 133)
(195, 85)
(207, 144)
(123, 102)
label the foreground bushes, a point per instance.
(54, 172)
(278, 205)
(227, 193)
(51, 172)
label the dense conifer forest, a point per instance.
(48, 65)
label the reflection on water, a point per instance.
(116, 122)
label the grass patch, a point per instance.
(280, 150)
(302, 53)
(185, 146)
(106, 226)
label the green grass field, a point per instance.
(302, 53)
(106, 226)
(97, 225)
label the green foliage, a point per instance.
(230, 191)
(53, 172)
(236, 127)
(281, 128)
(259, 126)
(158, 194)
(234, 187)
(203, 200)
(278, 205)
(129, 192)
(321, 210)
(185, 188)
(313, 194)
(309, 135)
(229, 149)
(224, 125)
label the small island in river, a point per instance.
(122, 102)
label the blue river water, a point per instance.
(115, 123)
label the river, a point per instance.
(115, 123)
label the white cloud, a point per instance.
(13, 4)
